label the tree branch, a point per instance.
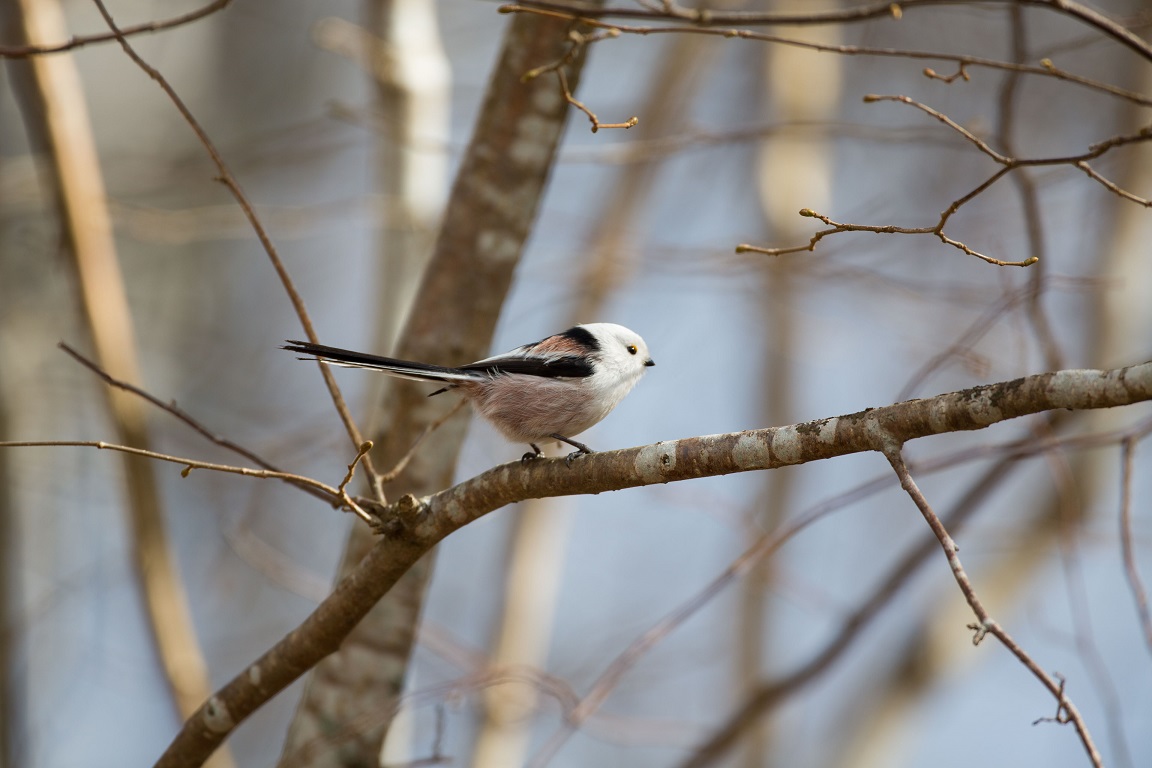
(1065, 710)
(1007, 165)
(226, 178)
(706, 17)
(1046, 68)
(410, 526)
(499, 186)
(77, 41)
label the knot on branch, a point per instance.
(980, 631)
(401, 516)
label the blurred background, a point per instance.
(855, 618)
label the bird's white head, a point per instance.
(622, 353)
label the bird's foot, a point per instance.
(574, 454)
(581, 449)
(537, 453)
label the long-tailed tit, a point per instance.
(556, 388)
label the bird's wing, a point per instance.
(563, 355)
(558, 366)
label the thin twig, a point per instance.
(578, 41)
(188, 464)
(361, 452)
(575, 12)
(335, 495)
(771, 693)
(986, 625)
(889, 229)
(347, 500)
(1007, 164)
(170, 408)
(1094, 150)
(77, 41)
(1061, 715)
(226, 177)
(1045, 69)
(1112, 186)
(977, 142)
(188, 419)
(596, 124)
(709, 18)
(961, 73)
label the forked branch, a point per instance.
(412, 526)
(1066, 711)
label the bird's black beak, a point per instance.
(649, 362)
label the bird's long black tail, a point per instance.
(405, 369)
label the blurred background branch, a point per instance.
(61, 103)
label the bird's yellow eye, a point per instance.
(631, 349)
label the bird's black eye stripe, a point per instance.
(631, 349)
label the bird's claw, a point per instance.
(574, 454)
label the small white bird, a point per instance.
(556, 388)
